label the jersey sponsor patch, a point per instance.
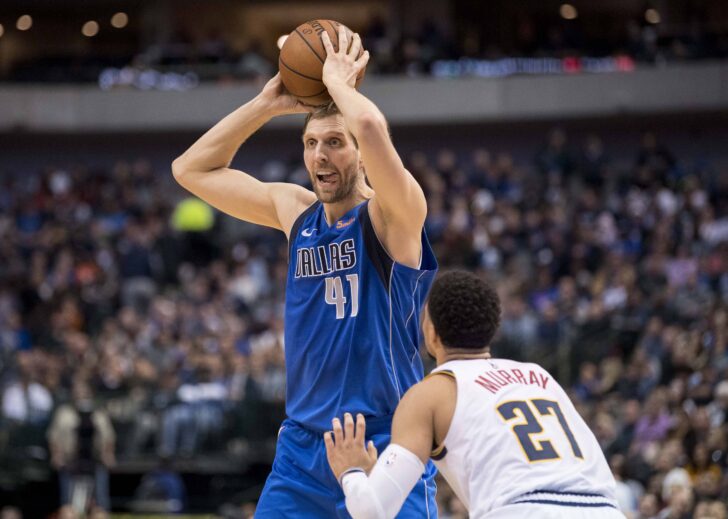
(345, 223)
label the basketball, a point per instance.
(302, 59)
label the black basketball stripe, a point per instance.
(312, 95)
(350, 37)
(310, 47)
(335, 29)
(336, 34)
(318, 80)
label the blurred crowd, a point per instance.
(213, 55)
(615, 279)
(128, 329)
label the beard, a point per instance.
(346, 184)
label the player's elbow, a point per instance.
(180, 168)
(370, 123)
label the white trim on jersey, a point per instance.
(427, 501)
(550, 497)
(414, 306)
(391, 353)
(414, 303)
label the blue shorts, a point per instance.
(301, 484)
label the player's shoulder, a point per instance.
(291, 201)
(532, 372)
(292, 193)
(434, 388)
(421, 401)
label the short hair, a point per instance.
(322, 112)
(465, 310)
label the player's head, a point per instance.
(331, 155)
(462, 313)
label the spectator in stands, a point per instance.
(82, 441)
(594, 163)
(556, 157)
(710, 510)
(26, 401)
(198, 415)
(137, 267)
(654, 161)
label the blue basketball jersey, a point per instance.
(351, 319)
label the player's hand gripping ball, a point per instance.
(302, 58)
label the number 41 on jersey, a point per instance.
(335, 294)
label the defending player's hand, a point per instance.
(345, 446)
(278, 101)
(342, 66)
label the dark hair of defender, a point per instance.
(465, 310)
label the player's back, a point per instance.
(515, 437)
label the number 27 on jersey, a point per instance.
(525, 424)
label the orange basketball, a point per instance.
(302, 57)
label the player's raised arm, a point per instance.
(398, 195)
(204, 169)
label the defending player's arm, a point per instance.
(204, 169)
(381, 494)
(398, 197)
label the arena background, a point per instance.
(573, 153)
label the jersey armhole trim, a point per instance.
(422, 247)
(378, 254)
(440, 451)
(297, 225)
(445, 372)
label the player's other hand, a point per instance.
(345, 446)
(278, 101)
(342, 66)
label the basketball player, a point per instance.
(359, 271)
(505, 435)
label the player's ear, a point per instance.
(429, 334)
(427, 326)
(428, 329)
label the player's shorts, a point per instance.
(301, 484)
(557, 505)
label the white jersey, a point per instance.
(516, 439)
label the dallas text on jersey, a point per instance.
(325, 259)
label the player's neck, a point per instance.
(446, 356)
(334, 211)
